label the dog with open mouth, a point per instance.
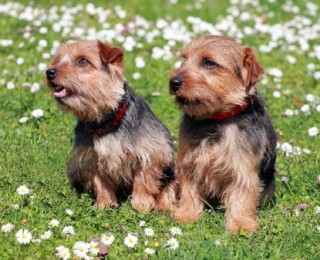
(227, 143)
(119, 144)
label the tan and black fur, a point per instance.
(133, 154)
(229, 159)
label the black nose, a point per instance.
(51, 74)
(175, 83)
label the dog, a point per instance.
(227, 143)
(119, 144)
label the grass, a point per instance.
(35, 153)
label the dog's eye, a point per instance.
(209, 64)
(82, 62)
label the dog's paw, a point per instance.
(236, 226)
(101, 204)
(185, 216)
(144, 204)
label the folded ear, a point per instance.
(253, 68)
(110, 55)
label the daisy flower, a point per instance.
(10, 85)
(63, 252)
(23, 190)
(37, 113)
(53, 223)
(316, 210)
(69, 212)
(305, 109)
(23, 120)
(172, 243)
(148, 232)
(136, 76)
(175, 231)
(47, 234)
(155, 94)
(276, 94)
(107, 239)
(140, 63)
(80, 249)
(6, 228)
(24, 236)
(15, 206)
(142, 223)
(313, 131)
(149, 251)
(217, 242)
(68, 230)
(131, 240)
(93, 248)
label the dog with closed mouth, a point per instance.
(119, 144)
(227, 143)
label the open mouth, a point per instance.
(60, 92)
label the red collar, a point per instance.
(117, 118)
(235, 111)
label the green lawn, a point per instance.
(286, 37)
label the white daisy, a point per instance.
(23, 120)
(316, 210)
(46, 235)
(6, 228)
(69, 212)
(68, 230)
(24, 236)
(142, 223)
(53, 223)
(80, 249)
(20, 61)
(131, 240)
(172, 243)
(310, 97)
(10, 85)
(35, 87)
(276, 94)
(93, 248)
(136, 76)
(305, 109)
(23, 190)
(140, 63)
(313, 131)
(148, 232)
(149, 251)
(107, 239)
(37, 113)
(217, 242)
(63, 252)
(175, 231)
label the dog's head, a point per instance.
(86, 77)
(216, 75)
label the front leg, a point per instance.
(146, 187)
(241, 203)
(191, 204)
(104, 192)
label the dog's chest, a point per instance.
(114, 155)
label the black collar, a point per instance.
(111, 121)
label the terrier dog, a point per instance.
(227, 144)
(119, 143)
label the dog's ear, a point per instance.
(253, 68)
(110, 55)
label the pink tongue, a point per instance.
(60, 93)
